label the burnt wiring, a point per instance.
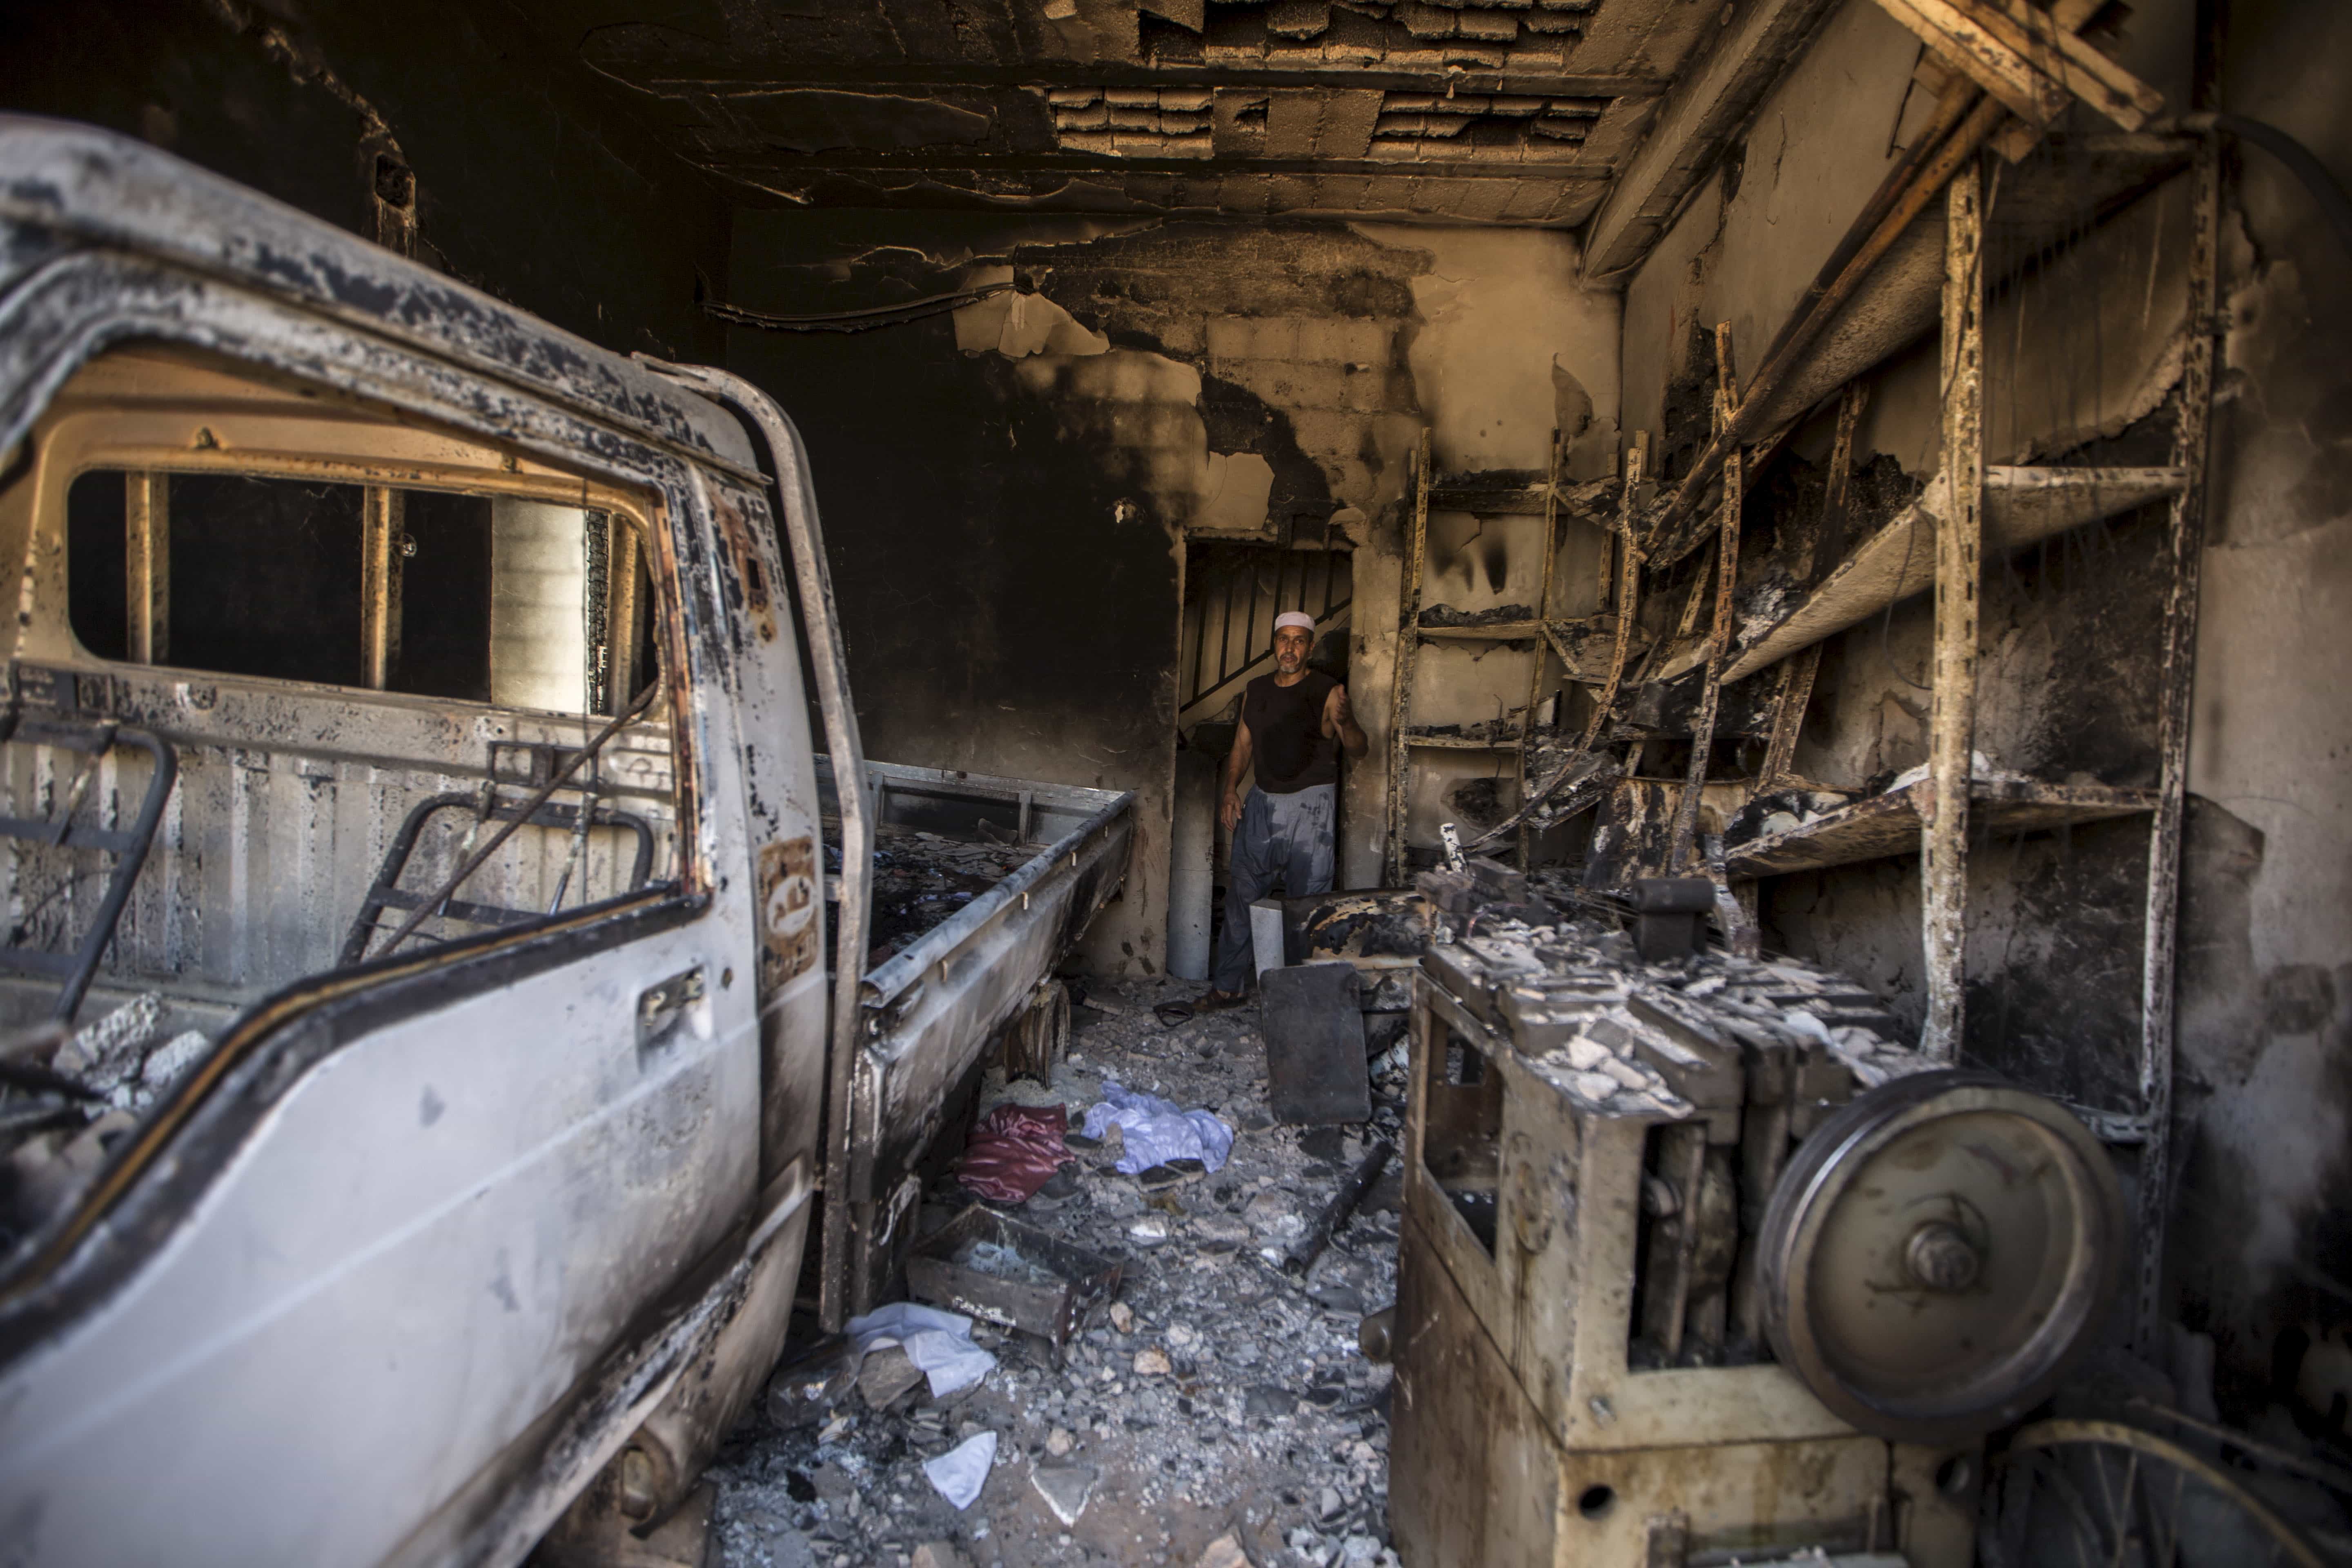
(861, 321)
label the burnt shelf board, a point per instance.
(1589, 641)
(1459, 743)
(1493, 631)
(1886, 826)
(1525, 500)
(2022, 507)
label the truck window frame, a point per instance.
(121, 1218)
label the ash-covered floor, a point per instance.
(1224, 1416)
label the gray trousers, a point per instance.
(1285, 837)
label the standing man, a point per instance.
(1293, 725)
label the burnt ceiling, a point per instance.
(1514, 112)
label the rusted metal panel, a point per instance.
(2185, 551)
(1959, 573)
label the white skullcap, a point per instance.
(1298, 618)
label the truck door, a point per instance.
(798, 1017)
(408, 1242)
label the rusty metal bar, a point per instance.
(1407, 652)
(2185, 540)
(1789, 717)
(1542, 650)
(1629, 589)
(1904, 195)
(382, 519)
(147, 566)
(1797, 683)
(1726, 577)
(1952, 725)
(624, 607)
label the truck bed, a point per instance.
(982, 886)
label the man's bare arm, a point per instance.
(1230, 811)
(1340, 720)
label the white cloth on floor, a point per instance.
(939, 1343)
(1153, 1130)
(962, 1470)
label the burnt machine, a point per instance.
(1702, 1265)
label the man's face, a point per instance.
(1290, 645)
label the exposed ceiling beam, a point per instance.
(902, 75)
(1701, 114)
(730, 166)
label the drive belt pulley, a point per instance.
(1936, 1251)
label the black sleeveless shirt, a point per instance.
(1288, 748)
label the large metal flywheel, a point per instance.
(1936, 1251)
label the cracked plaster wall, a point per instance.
(1008, 492)
(2080, 355)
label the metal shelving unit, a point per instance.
(1545, 639)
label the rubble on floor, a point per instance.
(1219, 1411)
(67, 1097)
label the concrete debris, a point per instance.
(167, 1061)
(1581, 981)
(112, 1050)
(886, 1375)
(125, 1057)
(1224, 1552)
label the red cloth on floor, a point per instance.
(1014, 1151)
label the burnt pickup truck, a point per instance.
(443, 991)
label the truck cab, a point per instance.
(416, 978)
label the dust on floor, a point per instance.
(1227, 1398)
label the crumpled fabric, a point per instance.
(1153, 1130)
(1014, 1151)
(939, 1343)
(962, 1470)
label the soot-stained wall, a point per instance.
(527, 183)
(2082, 357)
(1008, 490)
(2264, 1248)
